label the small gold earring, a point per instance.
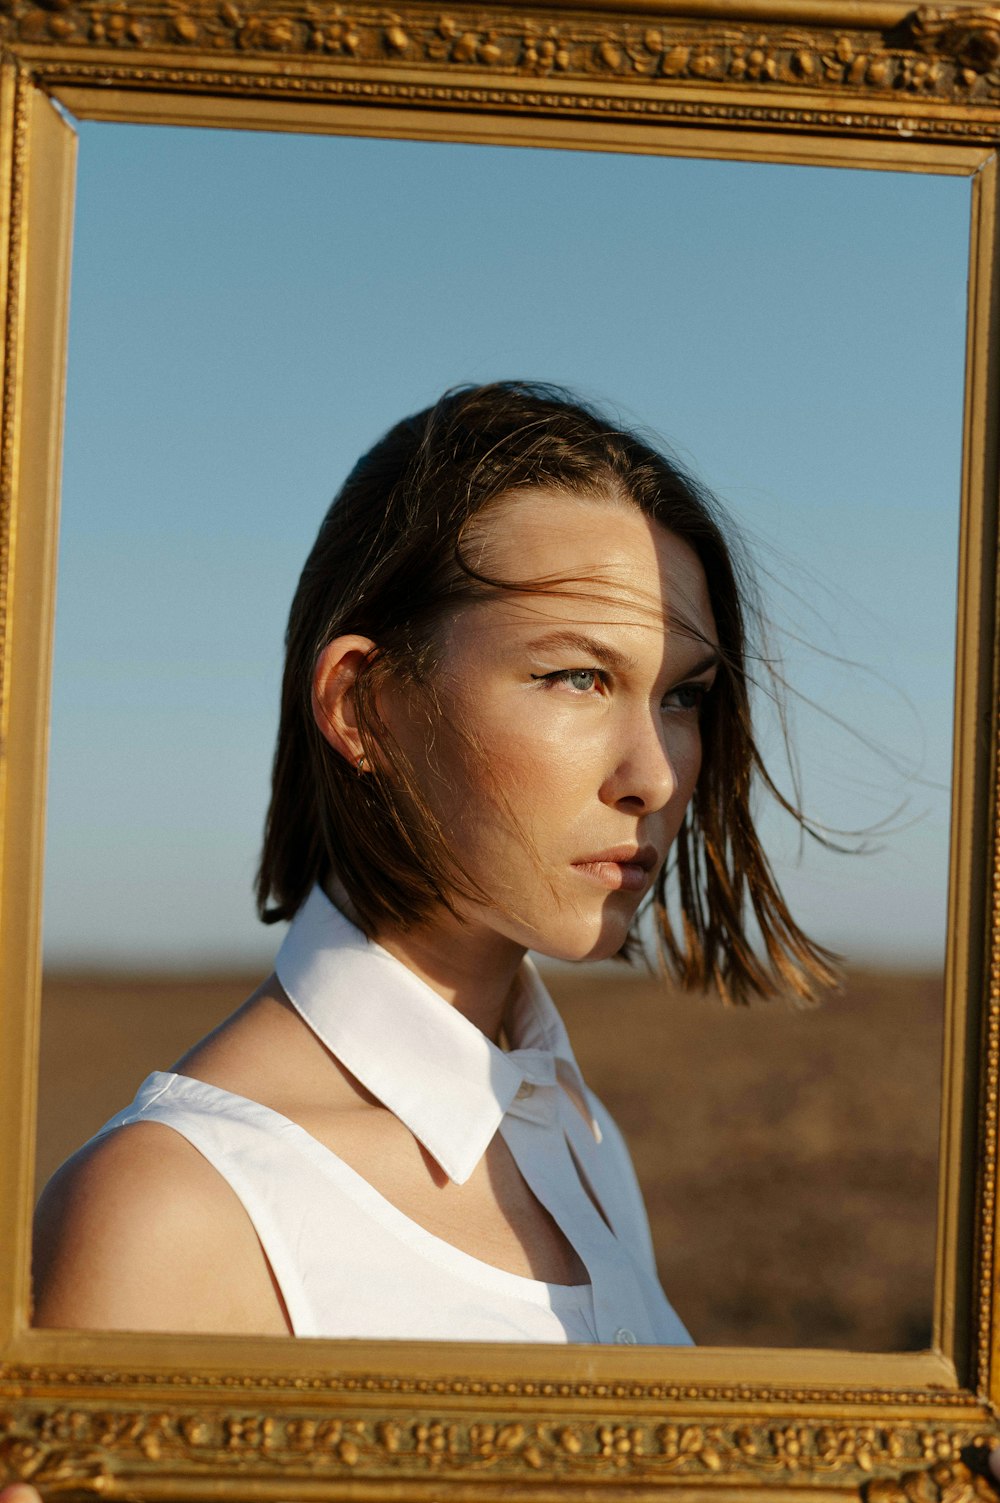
(360, 765)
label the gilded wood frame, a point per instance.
(848, 82)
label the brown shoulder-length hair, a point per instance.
(388, 563)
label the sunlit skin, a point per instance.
(587, 710)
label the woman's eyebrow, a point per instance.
(710, 660)
(591, 647)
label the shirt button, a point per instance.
(524, 1090)
(625, 1337)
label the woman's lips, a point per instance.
(619, 871)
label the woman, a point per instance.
(516, 679)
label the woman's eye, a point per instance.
(580, 679)
(686, 697)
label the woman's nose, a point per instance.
(644, 776)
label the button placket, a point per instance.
(543, 1156)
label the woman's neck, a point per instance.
(474, 972)
(473, 968)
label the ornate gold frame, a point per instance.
(849, 82)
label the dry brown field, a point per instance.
(788, 1156)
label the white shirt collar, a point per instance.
(418, 1055)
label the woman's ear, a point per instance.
(334, 677)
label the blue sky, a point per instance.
(250, 311)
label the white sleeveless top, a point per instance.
(347, 1262)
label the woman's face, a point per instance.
(585, 704)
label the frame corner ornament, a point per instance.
(968, 36)
(943, 1482)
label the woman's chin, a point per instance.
(586, 943)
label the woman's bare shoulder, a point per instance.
(137, 1231)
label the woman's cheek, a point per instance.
(535, 731)
(536, 759)
(687, 753)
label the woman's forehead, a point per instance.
(591, 552)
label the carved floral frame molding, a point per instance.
(841, 81)
(949, 53)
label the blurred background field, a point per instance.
(788, 1156)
